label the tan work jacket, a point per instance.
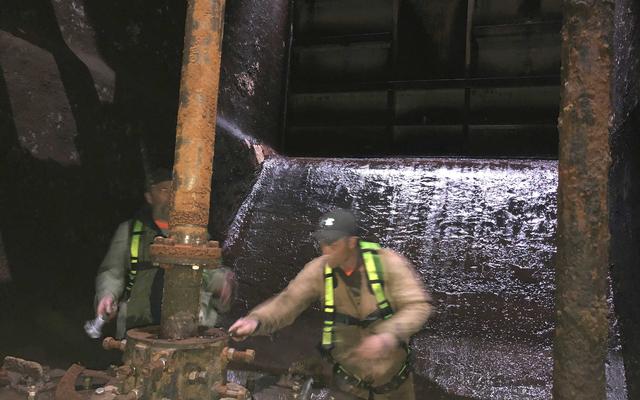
(403, 289)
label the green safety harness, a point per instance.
(137, 229)
(373, 268)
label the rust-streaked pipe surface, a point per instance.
(187, 250)
(580, 344)
(195, 135)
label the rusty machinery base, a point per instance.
(170, 369)
(161, 369)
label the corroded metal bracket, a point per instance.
(66, 389)
(25, 376)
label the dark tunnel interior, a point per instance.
(424, 78)
(445, 110)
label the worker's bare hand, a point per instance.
(243, 328)
(107, 307)
(375, 346)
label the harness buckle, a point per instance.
(349, 377)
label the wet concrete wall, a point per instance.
(88, 100)
(480, 233)
(624, 190)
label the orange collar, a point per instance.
(164, 225)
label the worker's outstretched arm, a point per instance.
(284, 308)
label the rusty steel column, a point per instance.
(187, 250)
(580, 343)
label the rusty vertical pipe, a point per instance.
(195, 135)
(580, 343)
(187, 250)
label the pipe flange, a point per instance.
(167, 253)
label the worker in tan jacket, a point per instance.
(373, 301)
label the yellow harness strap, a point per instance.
(329, 308)
(137, 230)
(374, 276)
(375, 280)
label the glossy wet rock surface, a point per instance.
(481, 233)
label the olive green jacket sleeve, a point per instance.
(406, 293)
(112, 272)
(283, 309)
(213, 281)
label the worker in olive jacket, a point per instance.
(373, 301)
(130, 286)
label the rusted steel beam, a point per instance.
(187, 250)
(580, 342)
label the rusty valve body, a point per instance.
(155, 366)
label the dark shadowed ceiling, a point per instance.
(421, 77)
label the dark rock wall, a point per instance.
(251, 100)
(253, 68)
(69, 171)
(88, 101)
(624, 188)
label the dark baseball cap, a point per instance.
(335, 225)
(158, 175)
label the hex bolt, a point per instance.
(197, 376)
(110, 343)
(232, 354)
(193, 375)
(158, 366)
